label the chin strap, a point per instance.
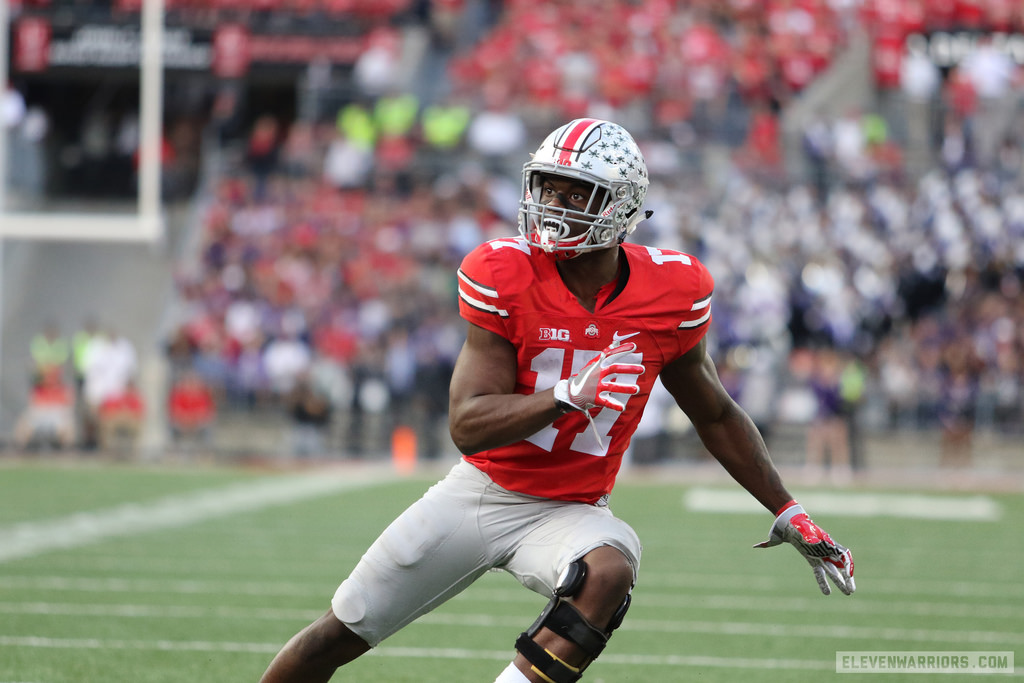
(632, 226)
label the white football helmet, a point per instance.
(595, 152)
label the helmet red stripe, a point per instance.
(573, 137)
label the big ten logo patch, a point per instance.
(554, 334)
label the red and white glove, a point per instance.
(591, 386)
(826, 557)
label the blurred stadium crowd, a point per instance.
(881, 282)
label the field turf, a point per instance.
(142, 574)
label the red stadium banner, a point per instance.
(273, 49)
(32, 44)
(230, 50)
(231, 55)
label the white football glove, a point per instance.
(825, 556)
(591, 386)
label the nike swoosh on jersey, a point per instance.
(618, 339)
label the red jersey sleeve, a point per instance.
(696, 311)
(676, 297)
(484, 298)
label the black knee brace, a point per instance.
(562, 618)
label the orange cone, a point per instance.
(403, 449)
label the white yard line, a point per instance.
(649, 583)
(862, 605)
(759, 629)
(835, 632)
(414, 653)
(854, 504)
(182, 586)
(123, 611)
(672, 603)
(997, 590)
(730, 628)
(32, 538)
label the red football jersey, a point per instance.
(661, 302)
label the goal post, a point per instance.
(146, 224)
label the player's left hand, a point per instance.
(826, 557)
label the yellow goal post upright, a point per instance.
(146, 224)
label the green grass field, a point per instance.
(132, 574)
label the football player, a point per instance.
(568, 328)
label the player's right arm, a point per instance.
(731, 437)
(484, 411)
(725, 429)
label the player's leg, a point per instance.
(430, 553)
(596, 556)
(575, 627)
(313, 654)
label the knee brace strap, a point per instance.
(564, 619)
(547, 665)
(561, 617)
